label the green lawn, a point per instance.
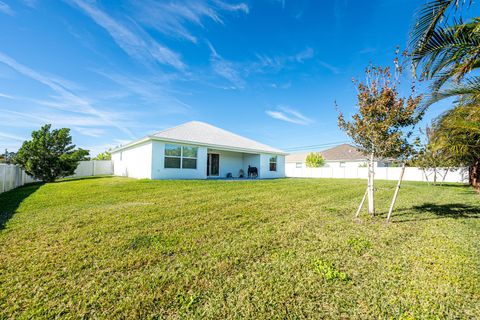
(290, 248)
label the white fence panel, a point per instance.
(381, 173)
(102, 167)
(12, 176)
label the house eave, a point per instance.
(208, 145)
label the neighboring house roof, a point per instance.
(201, 133)
(343, 152)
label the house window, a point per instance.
(189, 157)
(180, 157)
(273, 163)
(298, 165)
(342, 164)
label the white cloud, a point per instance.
(277, 63)
(329, 67)
(91, 132)
(171, 18)
(6, 96)
(83, 124)
(306, 54)
(233, 7)
(11, 136)
(286, 113)
(138, 44)
(65, 98)
(149, 91)
(225, 69)
(236, 72)
(5, 8)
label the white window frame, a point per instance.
(298, 165)
(181, 157)
(270, 162)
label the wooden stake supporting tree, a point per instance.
(378, 129)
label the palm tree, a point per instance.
(446, 50)
(457, 133)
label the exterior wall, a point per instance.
(230, 162)
(381, 173)
(252, 160)
(147, 160)
(265, 172)
(134, 162)
(160, 172)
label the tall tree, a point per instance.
(378, 127)
(50, 154)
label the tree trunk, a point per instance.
(474, 174)
(426, 177)
(371, 186)
(397, 189)
(445, 175)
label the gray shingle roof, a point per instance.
(196, 132)
(343, 152)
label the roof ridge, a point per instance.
(235, 134)
(171, 128)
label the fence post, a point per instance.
(93, 168)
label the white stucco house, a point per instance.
(344, 155)
(196, 150)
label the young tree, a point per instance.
(314, 160)
(378, 129)
(103, 156)
(431, 159)
(50, 154)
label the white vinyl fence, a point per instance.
(381, 173)
(12, 176)
(93, 168)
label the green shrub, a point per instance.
(314, 160)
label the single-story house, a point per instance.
(344, 155)
(196, 150)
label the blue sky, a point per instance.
(113, 71)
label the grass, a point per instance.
(122, 248)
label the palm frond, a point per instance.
(468, 91)
(453, 51)
(428, 20)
